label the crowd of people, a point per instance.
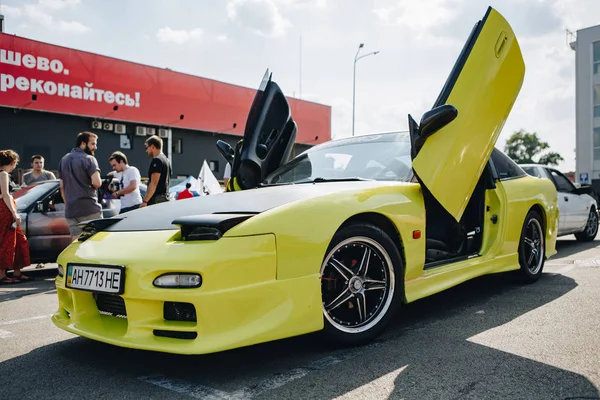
(80, 179)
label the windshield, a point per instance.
(30, 194)
(382, 157)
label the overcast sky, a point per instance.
(236, 40)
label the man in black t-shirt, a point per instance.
(159, 173)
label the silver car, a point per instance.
(41, 208)
(577, 206)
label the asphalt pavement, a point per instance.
(490, 338)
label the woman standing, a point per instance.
(14, 249)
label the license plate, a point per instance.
(96, 278)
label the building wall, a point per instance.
(53, 135)
(587, 104)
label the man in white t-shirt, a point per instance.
(129, 192)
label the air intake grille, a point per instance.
(176, 334)
(175, 311)
(110, 304)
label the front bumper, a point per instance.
(240, 302)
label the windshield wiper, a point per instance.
(265, 184)
(316, 180)
(320, 179)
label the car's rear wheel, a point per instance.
(361, 284)
(591, 228)
(532, 248)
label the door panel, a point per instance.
(581, 211)
(483, 87)
(563, 214)
(569, 204)
(48, 232)
(268, 137)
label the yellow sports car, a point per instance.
(335, 239)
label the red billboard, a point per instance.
(44, 77)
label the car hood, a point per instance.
(252, 201)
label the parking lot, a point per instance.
(488, 338)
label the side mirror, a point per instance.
(40, 206)
(435, 119)
(226, 150)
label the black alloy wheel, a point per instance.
(591, 228)
(361, 284)
(532, 248)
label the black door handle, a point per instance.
(566, 198)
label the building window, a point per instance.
(178, 146)
(596, 101)
(596, 58)
(597, 144)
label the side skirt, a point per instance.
(442, 263)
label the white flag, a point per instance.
(207, 183)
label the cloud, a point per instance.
(259, 16)
(304, 3)
(40, 14)
(419, 15)
(37, 14)
(10, 11)
(221, 38)
(179, 36)
(449, 19)
(72, 26)
(577, 14)
(57, 4)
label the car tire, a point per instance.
(532, 248)
(362, 284)
(591, 228)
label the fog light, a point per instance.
(61, 270)
(178, 280)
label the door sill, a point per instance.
(441, 263)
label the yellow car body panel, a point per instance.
(483, 93)
(261, 281)
(239, 303)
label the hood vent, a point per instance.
(208, 226)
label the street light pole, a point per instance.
(356, 58)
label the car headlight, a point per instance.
(61, 270)
(178, 280)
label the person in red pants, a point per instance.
(14, 248)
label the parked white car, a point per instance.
(578, 211)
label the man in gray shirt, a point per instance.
(38, 173)
(79, 180)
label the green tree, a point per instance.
(523, 147)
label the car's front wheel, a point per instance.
(591, 228)
(532, 248)
(361, 284)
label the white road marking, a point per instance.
(380, 388)
(269, 383)
(18, 321)
(5, 334)
(189, 389)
